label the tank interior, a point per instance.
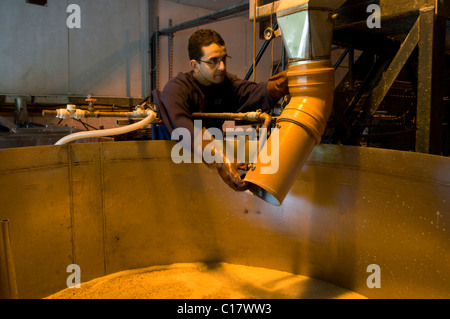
(363, 204)
(98, 210)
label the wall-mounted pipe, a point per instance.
(85, 114)
(249, 116)
(109, 132)
(73, 112)
(9, 285)
(299, 128)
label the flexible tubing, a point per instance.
(108, 132)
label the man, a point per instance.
(208, 88)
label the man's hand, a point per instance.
(277, 86)
(230, 175)
(227, 171)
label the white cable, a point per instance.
(108, 132)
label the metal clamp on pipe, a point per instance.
(70, 112)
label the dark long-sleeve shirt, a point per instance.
(184, 95)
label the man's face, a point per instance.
(211, 68)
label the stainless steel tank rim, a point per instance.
(439, 179)
(322, 149)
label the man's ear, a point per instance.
(195, 65)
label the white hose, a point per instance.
(108, 132)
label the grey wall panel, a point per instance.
(107, 56)
(33, 48)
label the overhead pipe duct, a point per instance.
(307, 29)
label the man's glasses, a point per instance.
(214, 62)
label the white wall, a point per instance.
(33, 47)
(107, 56)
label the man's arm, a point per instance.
(251, 96)
(174, 98)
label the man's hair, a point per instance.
(202, 38)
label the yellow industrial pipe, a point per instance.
(299, 128)
(307, 30)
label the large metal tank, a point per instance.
(115, 206)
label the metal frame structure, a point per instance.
(409, 31)
(405, 26)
